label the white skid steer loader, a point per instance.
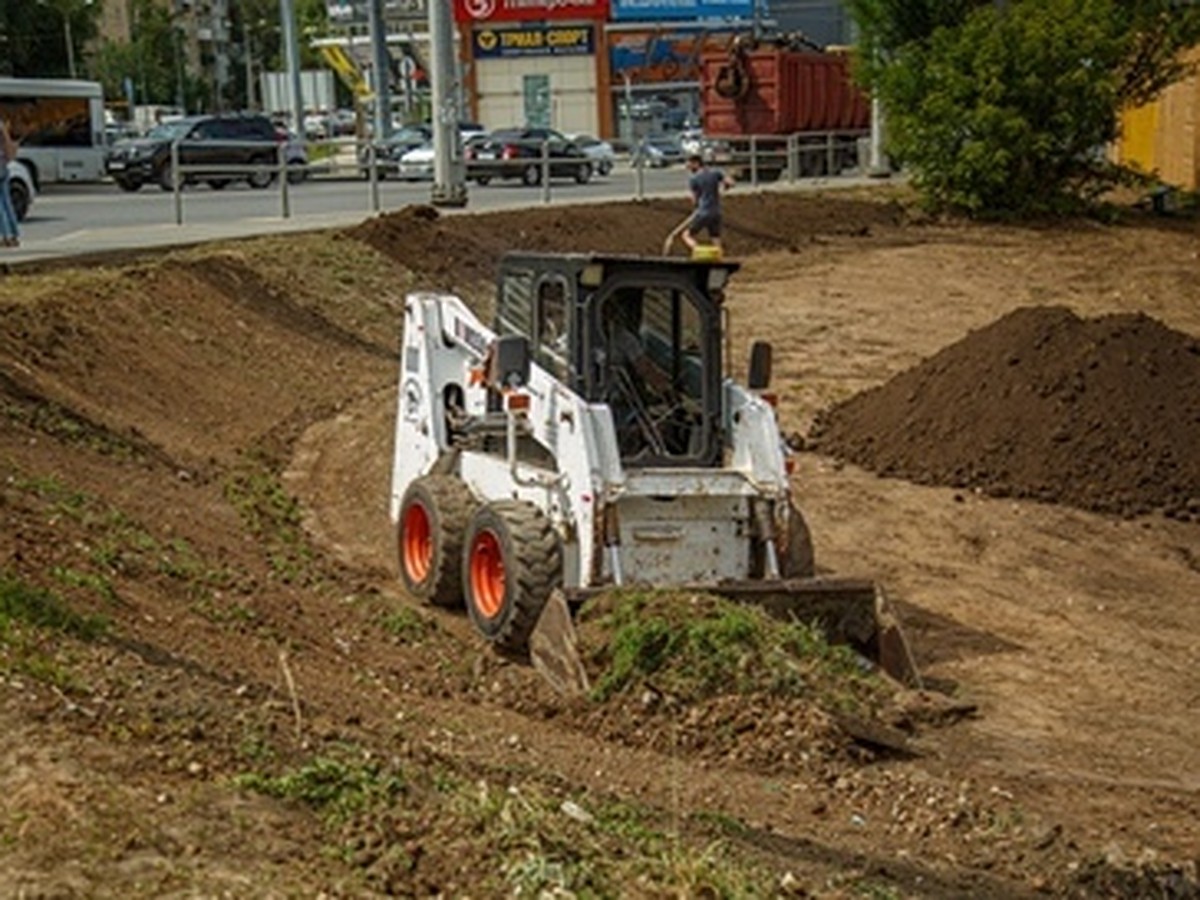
(591, 439)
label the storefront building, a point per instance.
(617, 68)
(534, 62)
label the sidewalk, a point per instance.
(99, 241)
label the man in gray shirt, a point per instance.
(705, 185)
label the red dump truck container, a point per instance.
(782, 91)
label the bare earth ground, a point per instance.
(162, 418)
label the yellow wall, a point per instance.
(1164, 136)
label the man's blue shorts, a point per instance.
(710, 223)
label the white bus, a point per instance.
(60, 126)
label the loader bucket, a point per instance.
(848, 611)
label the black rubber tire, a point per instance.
(297, 172)
(530, 566)
(165, 179)
(483, 180)
(19, 194)
(260, 181)
(447, 505)
(583, 174)
(128, 184)
(531, 176)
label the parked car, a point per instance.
(218, 140)
(21, 188)
(390, 149)
(417, 163)
(517, 153)
(599, 152)
(657, 150)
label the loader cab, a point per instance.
(640, 334)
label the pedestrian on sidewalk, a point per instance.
(9, 232)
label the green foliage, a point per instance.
(272, 515)
(33, 36)
(615, 846)
(339, 788)
(28, 616)
(98, 584)
(1006, 109)
(153, 61)
(407, 625)
(23, 603)
(709, 646)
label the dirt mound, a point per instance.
(458, 252)
(1100, 413)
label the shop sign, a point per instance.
(653, 56)
(484, 12)
(355, 12)
(534, 40)
(656, 10)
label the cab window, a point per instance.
(551, 339)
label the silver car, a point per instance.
(600, 152)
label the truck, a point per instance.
(592, 437)
(782, 105)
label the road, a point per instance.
(73, 220)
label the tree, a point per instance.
(1002, 108)
(44, 38)
(152, 62)
(257, 28)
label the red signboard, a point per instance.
(486, 12)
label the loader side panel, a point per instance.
(442, 340)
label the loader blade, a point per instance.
(848, 611)
(554, 650)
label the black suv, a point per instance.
(517, 153)
(229, 140)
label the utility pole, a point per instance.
(380, 70)
(291, 46)
(449, 177)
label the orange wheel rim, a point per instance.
(416, 544)
(487, 574)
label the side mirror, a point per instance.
(759, 377)
(510, 361)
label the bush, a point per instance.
(1007, 109)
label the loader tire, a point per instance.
(429, 538)
(513, 561)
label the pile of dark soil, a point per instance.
(457, 251)
(1102, 414)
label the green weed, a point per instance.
(273, 515)
(407, 625)
(335, 787)
(28, 615)
(64, 425)
(615, 846)
(700, 646)
(23, 603)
